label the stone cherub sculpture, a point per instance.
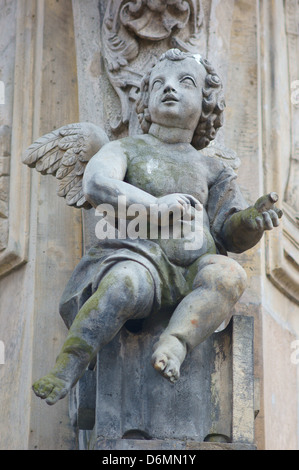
(180, 109)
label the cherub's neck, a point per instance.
(171, 135)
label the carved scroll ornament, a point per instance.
(155, 19)
(129, 25)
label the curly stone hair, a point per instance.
(213, 103)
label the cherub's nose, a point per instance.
(169, 88)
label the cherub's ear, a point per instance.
(64, 153)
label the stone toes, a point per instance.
(42, 389)
(50, 388)
(169, 368)
(160, 363)
(57, 394)
(171, 373)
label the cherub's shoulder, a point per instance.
(220, 158)
(126, 143)
(213, 165)
(217, 168)
(114, 149)
(112, 153)
(112, 145)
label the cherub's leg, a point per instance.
(126, 292)
(218, 285)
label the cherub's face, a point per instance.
(175, 89)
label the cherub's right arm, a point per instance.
(103, 180)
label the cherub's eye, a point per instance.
(157, 84)
(188, 80)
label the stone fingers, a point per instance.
(268, 220)
(269, 214)
(266, 202)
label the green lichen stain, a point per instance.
(129, 283)
(92, 304)
(238, 232)
(75, 344)
(148, 163)
(211, 247)
(138, 154)
(149, 277)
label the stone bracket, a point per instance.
(82, 402)
(174, 445)
(213, 404)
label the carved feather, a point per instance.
(63, 171)
(40, 148)
(67, 184)
(69, 158)
(64, 153)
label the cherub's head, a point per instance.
(202, 85)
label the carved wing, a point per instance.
(64, 153)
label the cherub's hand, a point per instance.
(264, 215)
(179, 205)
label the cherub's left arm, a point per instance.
(243, 229)
(235, 225)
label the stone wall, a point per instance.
(44, 238)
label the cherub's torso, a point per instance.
(161, 169)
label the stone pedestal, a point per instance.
(135, 408)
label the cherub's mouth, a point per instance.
(169, 98)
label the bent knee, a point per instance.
(223, 274)
(235, 279)
(132, 275)
(131, 282)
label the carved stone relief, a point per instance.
(15, 115)
(5, 136)
(134, 35)
(132, 26)
(7, 44)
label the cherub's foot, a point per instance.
(51, 388)
(168, 357)
(169, 368)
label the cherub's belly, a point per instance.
(194, 242)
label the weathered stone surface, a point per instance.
(145, 270)
(82, 404)
(174, 445)
(49, 245)
(206, 404)
(7, 43)
(250, 42)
